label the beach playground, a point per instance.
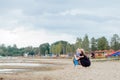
(57, 69)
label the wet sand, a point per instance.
(64, 70)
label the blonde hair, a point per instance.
(78, 50)
(82, 50)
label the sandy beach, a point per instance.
(63, 69)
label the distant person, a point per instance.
(92, 55)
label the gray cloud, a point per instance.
(67, 16)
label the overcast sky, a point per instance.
(33, 22)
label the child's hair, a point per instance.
(78, 50)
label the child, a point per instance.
(77, 57)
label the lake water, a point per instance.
(11, 70)
(20, 65)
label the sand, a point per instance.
(105, 70)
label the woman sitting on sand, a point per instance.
(81, 59)
(85, 61)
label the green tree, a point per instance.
(93, 44)
(44, 49)
(3, 50)
(102, 43)
(36, 50)
(115, 42)
(85, 43)
(28, 49)
(78, 43)
(68, 48)
(54, 49)
(59, 47)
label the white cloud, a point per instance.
(23, 37)
(56, 20)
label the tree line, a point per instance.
(64, 47)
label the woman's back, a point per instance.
(85, 61)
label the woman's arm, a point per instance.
(81, 57)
